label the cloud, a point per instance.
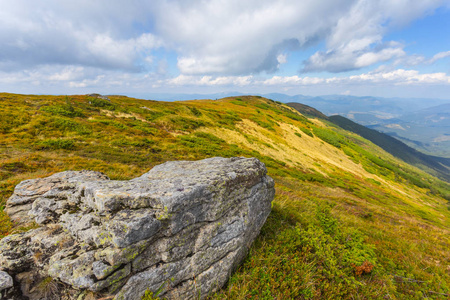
(401, 77)
(348, 58)
(235, 37)
(292, 80)
(86, 33)
(357, 39)
(189, 80)
(395, 77)
(60, 79)
(414, 60)
(439, 56)
(222, 42)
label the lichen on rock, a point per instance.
(183, 226)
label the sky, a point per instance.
(385, 48)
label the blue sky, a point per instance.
(389, 48)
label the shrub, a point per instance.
(63, 110)
(202, 142)
(238, 101)
(263, 124)
(229, 118)
(64, 124)
(12, 120)
(306, 131)
(262, 106)
(55, 144)
(296, 117)
(329, 136)
(195, 111)
(98, 102)
(187, 123)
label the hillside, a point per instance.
(422, 124)
(349, 220)
(307, 110)
(436, 165)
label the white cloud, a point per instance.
(347, 58)
(439, 56)
(186, 80)
(414, 60)
(242, 37)
(66, 74)
(86, 33)
(86, 82)
(356, 40)
(235, 37)
(217, 43)
(60, 79)
(402, 77)
(395, 77)
(292, 80)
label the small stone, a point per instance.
(6, 281)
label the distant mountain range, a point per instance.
(437, 166)
(423, 124)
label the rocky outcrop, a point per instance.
(181, 229)
(95, 95)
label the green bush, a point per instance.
(187, 123)
(263, 124)
(55, 144)
(330, 137)
(296, 117)
(66, 110)
(262, 106)
(12, 120)
(202, 142)
(63, 124)
(98, 102)
(195, 111)
(239, 101)
(137, 143)
(306, 131)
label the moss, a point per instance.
(163, 214)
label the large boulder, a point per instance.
(180, 229)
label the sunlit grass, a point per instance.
(348, 220)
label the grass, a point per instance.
(349, 221)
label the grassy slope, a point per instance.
(436, 165)
(348, 220)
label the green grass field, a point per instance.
(349, 221)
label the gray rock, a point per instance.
(54, 195)
(95, 95)
(181, 228)
(6, 281)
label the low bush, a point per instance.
(98, 102)
(306, 131)
(66, 110)
(52, 144)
